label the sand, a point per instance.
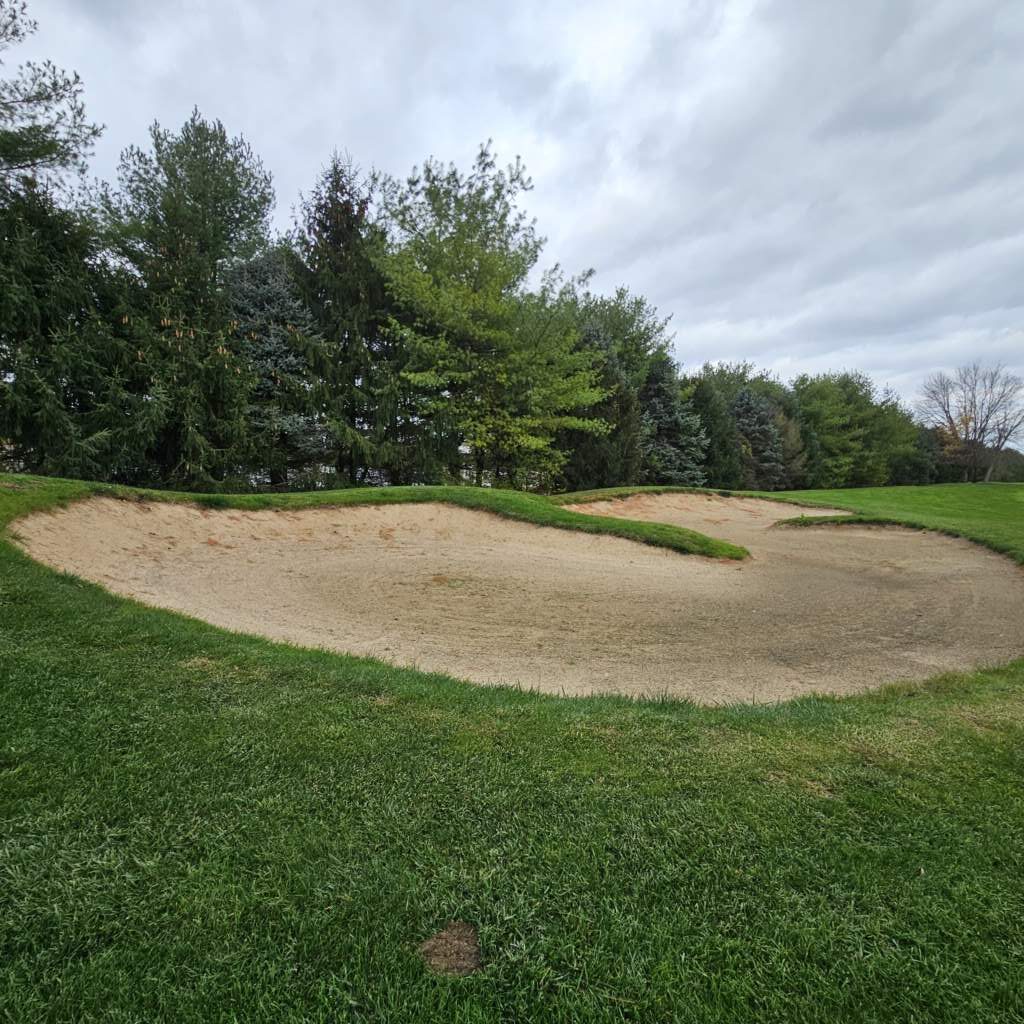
(822, 609)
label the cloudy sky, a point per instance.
(809, 184)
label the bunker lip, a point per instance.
(491, 600)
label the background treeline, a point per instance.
(154, 331)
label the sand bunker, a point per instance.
(823, 609)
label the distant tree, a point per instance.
(730, 379)
(794, 446)
(625, 334)
(723, 465)
(185, 212)
(674, 441)
(496, 366)
(338, 244)
(287, 439)
(916, 463)
(43, 128)
(760, 442)
(1010, 468)
(978, 411)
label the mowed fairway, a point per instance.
(199, 825)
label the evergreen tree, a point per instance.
(723, 463)
(916, 463)
(861, 436)
(43, 128)
(609, 458)
(361, 395)
(760, 443)
(187, 210)
(286, 438)
(674, 441)
(624, 333)
(76, 391)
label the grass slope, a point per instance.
(990, 514)
(527, 508)
(200, 826)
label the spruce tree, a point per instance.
(336, 244)
(286, 437)
(674, 441)
(761, 445)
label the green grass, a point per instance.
(527, 508)
(201, 826)
(989, 514)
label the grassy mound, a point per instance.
(527, 508)
(989, 514)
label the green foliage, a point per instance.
(496, 366)
(76, 397)
(625, 334)
(862, 438)
(673, 442)
(1009, 467)
(723, 465)
(760, 441)
(284, 436)
(358, 392)
(185, 211)
(43, 128)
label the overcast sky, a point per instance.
(809, 184)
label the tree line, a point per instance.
(155, 331)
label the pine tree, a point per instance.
(674, 441)
(186, 210)
(337, 244)
(43, 128)
(625, 333)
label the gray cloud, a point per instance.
(809, 185)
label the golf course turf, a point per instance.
(199, 825)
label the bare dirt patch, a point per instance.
(453, 950)
(494, 601)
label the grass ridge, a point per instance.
(515, 505)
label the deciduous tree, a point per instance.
(978, 411)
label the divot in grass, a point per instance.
(454, 950)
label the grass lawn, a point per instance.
(201, 826)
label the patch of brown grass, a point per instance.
(454, 950)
